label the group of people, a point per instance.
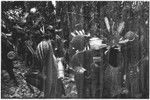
(100, 70)
(90, 67)
(99, 67)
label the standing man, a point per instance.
(88, 66)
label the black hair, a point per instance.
(113, 55)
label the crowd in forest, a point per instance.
(109, 63)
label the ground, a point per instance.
(9, 90)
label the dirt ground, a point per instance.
(9, 90)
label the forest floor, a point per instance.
(9, 90)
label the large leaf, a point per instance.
(107, 23)
(121, 27)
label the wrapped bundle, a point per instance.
(96, 43)
(60, 68)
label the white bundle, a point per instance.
(96, 43)
(33, 10)
(60, 69)
(80, 69)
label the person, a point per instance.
(113, 76)
(88, 66)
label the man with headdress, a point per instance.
(88, 66)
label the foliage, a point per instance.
(123, 18)
(80, 15)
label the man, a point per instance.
(88, 66)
